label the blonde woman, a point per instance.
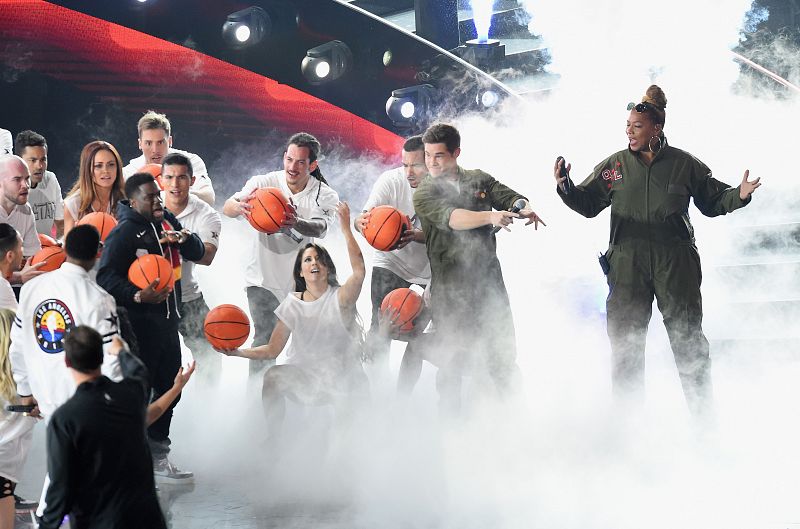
(15, 428)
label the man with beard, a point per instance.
(45, 191)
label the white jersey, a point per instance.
(6, 142)
(410, 262)
(16, 434)
(47, 204)
(22, 219)
(7, 298)
(202, 182)
(73, 202)
(272, 256)
(322, 341)
(200, 218)
(49, 305)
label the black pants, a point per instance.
(383, 282)
(262, 305)
(209, 362)
(160, 350)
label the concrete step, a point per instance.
(753, 320)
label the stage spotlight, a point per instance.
(487, 98)
(246, 27)
(326, 62)
(408, 106)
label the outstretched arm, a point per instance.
(277, 341)
(349, 292)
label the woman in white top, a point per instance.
(324, 360)
(100, 184)
(15, 428)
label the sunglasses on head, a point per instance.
(640, 107)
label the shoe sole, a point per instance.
(173, 481)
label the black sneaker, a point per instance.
(21, 504)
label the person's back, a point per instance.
(111, 484)
(98, 459)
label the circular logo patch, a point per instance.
(51, 321)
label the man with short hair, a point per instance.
(97, 456)
(200, 218)
(145, 227)
(268, 277)
(471, 312)
(155, 142)
(10, 261)
(49, 306)
(14, 207)
(407, 263)
(44, 195)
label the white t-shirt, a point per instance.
(272, 256)
(200, 218)
(47, 204)
(202, 182)
(22, 219)
(6, 142)
(73, 202)
(410, 262)
(16, 434)
(321, 341)
(7, 298)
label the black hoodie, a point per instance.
(134, 236)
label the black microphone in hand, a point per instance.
(567, 185)
(518, 206)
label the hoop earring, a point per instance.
(660, 144)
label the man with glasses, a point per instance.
(407, 263)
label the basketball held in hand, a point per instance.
(406, 305)
(268, 210)
(226, 327)
(147, 268)
(52, 256)
(385, 227)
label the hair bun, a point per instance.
(655, 96)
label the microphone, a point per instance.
(518, 206)
(567, 185)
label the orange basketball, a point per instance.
(226, 327)
(155, 170)
(407, 304)
(102, 221)
(53, 257)
(385, 226)
(269, 210)
(46, 240)
(145, 269)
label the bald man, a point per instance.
(15, 210)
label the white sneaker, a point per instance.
(166, 472)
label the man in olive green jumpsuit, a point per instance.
(651, 253)
(474, 329)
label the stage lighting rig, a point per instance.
(409, 106)
(327, 62)
(246, 27)
(486, 54)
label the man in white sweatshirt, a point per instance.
(155, 142)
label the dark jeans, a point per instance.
(262, 309)
(160, 350)
(209, 362)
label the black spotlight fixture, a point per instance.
(409, 106)
(326, 62)
(246, 27)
